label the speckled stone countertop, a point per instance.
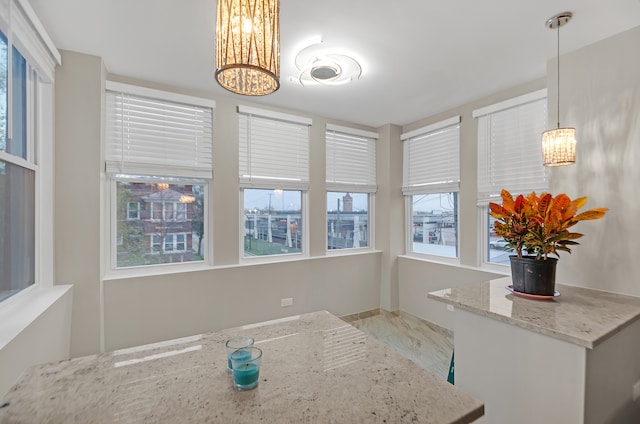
(315, 369)
(579, 315)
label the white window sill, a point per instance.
(158, 269)
(22, 309)
(145, 271)
(269, 259)
(350, 251)
(495, 269)
(445, 260)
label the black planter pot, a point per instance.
(534, 276)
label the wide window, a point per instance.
(351, 184)
(274, 178)
(510, 157)
(159, 164)
(431, 180)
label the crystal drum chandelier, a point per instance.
(248, 46)
(559, 145)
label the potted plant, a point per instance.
(540, 226)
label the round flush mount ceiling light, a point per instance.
(318, 64)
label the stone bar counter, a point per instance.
(570, 359)
(315, 368)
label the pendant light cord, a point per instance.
(558, 65)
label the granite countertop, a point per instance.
(581, 316)
(315, 368)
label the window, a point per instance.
(347, 220)
(17, 222)
(351, 181)
(272, 222)
(171, 243)
(17, 177)
(274, 178)
(133, 210)
(180, 242)
(168, 210)
(159, 164)
(26, 76)
(156, 234)
(431, 180)
(156, 244)
(434, 225)
(510, 157)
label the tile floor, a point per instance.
(424, 343)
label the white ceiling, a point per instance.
(419, 57)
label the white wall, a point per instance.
(418, 278)
(522, 376)
(601, 100)
(389, 219)
(612, 370)
(113, 313)
(149, 309)
(78, 199)
(600, 97)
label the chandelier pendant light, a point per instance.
(559, 145)
(248, 46)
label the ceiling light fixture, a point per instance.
(319, 65)
(559, 145)
(248, 46)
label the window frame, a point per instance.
(409, 235)
(276, 257)
(113, 236)
(174, 243)
(411, 190)
(147, 172)
(26, 35)
(483, 209)
(163, 210)
(136, 209)
(369, 235)
(363, 182)
(298, 180)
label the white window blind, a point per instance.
(158, 137)
(510, 148)
(351, 160)
(431, 161)
(274, 150)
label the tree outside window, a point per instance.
(156, 223)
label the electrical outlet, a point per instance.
(450, 308)
(636, 391)
(287, 301)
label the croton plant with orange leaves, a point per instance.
(540, 224)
